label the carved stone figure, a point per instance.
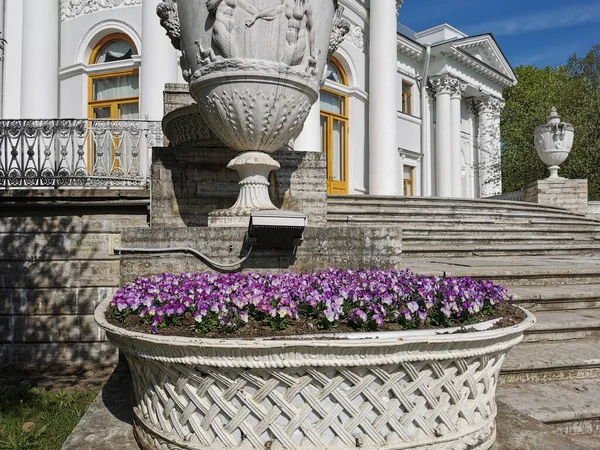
(223, 32)
(300, 32)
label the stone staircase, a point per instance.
(441, 227)
(553, 376)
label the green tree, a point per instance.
(574, 89)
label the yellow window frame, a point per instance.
(336, 186)
(407, 105)
(409, 182)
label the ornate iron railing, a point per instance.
(516, 196)
(76, 152)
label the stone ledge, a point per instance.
(76, 193)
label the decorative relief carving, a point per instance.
(70, 9)
(357, 37)
(341, 27)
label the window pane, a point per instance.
(332, 103)
(102, 113)
(117, 50)
(129, 111)
(406, 88)
(408, 173)
(334, 74)
(338, 162)
(109, 88)
(324, 133)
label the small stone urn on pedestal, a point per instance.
(553, 142)
(255, 68)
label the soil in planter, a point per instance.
(509, 314)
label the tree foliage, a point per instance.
(574, 89)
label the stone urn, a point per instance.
(553, 142)
(255, 67)
(426, 389)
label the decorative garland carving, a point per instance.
(70, 9)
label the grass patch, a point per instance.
(54, 413)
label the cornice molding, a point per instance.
(96, 69)
(358, 7)
(69, 9)
(408, 48)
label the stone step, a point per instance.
(428, 202)
(458, 251)
(552, 361)
(569, 407)
(564, 231)
(498, 238)
(564, 325)
(419, 220)
(536, 272)
(557, 297)
(376, 213)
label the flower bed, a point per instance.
(321, 302)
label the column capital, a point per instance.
(488, 104)
(446, 84)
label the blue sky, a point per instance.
(530, 32)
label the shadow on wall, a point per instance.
(54, 269)
(188, 183)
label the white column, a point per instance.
(310, 139)
(441, 87)
(159, 63)
(458, 90)
(39, 66)
(383, 147)
(490, 177)
(159, 66)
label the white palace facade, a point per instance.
(401, 113)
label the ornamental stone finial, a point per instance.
(553, 142)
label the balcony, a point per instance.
(63, 153)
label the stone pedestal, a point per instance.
(571, 195)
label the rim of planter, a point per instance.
(399, 347)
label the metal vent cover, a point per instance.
(276, 229)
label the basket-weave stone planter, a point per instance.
(401, 391)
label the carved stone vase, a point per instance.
(553, 142)
(255, 68)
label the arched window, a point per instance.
(114, 94)
(334, 128)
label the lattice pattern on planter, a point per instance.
(383, 407)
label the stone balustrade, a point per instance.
(76, 152)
